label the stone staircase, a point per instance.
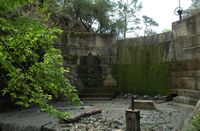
(187, 96)
(98, 93)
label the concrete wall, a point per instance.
(185, 53)
(124, 54)
(181, 48)
(143, 65)
(176, 52)
(91, 58)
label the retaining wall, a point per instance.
(176, 53)
(91, 58)
(143, 65)
(153, 64)
(185, 53)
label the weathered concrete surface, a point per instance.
(181, 50)
(125, 55)
(144, 105)
(91, 58)
(185, 58)
(186, 100)
(167, 117)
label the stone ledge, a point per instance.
(185, 100)
(144, 105)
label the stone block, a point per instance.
(184, 83)
(189, 93)
(185, 100)
(179, 29)
(132, 120)
(144, 105)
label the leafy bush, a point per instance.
(33, 66)
(196, 122)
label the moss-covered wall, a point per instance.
(143, 66)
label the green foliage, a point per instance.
(193, 9)
(166, 30)
(149, 22)
(143, 71)
(195, 124)
(34, 67)
(93, 15)
(9, 5)
(127, 13)
(103, 16)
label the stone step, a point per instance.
(96, 98)
(99, 90)
(185, 100)
(97, 95)
(189, 93)
(182, 105)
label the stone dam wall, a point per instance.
(185, 53)
(91, 58)
(143, 65)
(163, 61)
(155, 64)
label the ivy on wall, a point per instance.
(145, 71)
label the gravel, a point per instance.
(166, 117)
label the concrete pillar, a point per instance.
(132, 120)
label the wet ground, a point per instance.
(168, 116)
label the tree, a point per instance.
(28, 58)
(127, 13)
(101, 11)
(92, 14)
(194, 8)
(149, 22)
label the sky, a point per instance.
(162, 11)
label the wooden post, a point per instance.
(132, 120)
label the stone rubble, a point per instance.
(166, 117)
(150, 120)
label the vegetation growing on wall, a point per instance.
(144, 72)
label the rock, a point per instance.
(164, 98)
(82, 108)
(117, 122)
(87, 127)
(116, 126)
(135, 96)
(125, 96)
(145, 96)
(129, 95)
(155, 97)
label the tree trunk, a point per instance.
(79, 116)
